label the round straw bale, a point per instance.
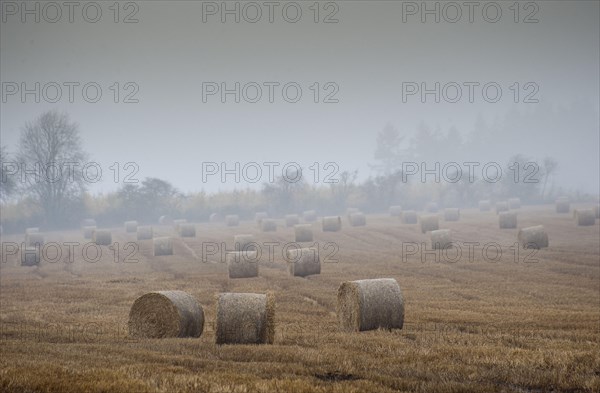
(533, 237)
(88, 232)
(88, 222)
(409, 217)
(501, 207)
(451, 214)
(131, 226)
(215, 217)
(243, 242)
(358, 219)
(33, 239)
(102, 237)
(166, 314)
(370, 304)
(429, 222)
(30, 256)
(585, 217)
(242, 264)
(303, 232)
(485, 205)
(291, 220)
(162, 246)
(563, 205)
(332, 224)
(145, 233)
(187, 230)
(177, 223)
(303, 262)
(309, 216)
(268, 225)
(441, 239)
(165, 220)
(31, 230)
(245, 318)
(232, 220)
(395, 211)
(514, 203)
(507, 220)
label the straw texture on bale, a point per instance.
(242, 242)
(303, 262)
(245, 318)
(332, 224)
(215, 217)
(89, 222)
(268, 225)
(451, 214)
(242, 264)
(533, 237)
(162, 246)
(145, 233)
(429, 223)
(396, 211)
(33, 239)
(441, 239)
(409, 217)
(514, 203)
(291, 220)
(431, 207)
(232, 220)
(370, 304)
(131, 226)
(187, 230)
(258, 216)
(485, 205)
(358, 219)
(102, 237)
(165, 220)
(507, 220)
(163, 314)
(31, 230)
(501, 207)
(88, 232)
(585, 217)
(303, 232)
(562, 205)
(309, 216)
(30, 256)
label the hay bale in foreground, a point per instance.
(34, 239)
(259, 216)
(29, 231)
(370, 304)
(88, 232)
(88, 222)
(358, 219)
(585, 217)
(30, 256)
(268, 225)
(507, 220)
(245, 318)
(244, 243)
(291, 220)
(451, 214)
(131, 226)
(514, 203)
(395, 211)
(441, 239)
(303, 262)
(303, 232)
(232, 220)
(485, 205)
(187, 230)
(563, 205)
(145, 233)
(242, 264)
(309, 216)
(533, 237)
(162, 246)
(102, 237)
(166, 314)
(501, 207)
(429, 223)
(332, 224)
(165, 220)
(409, 217)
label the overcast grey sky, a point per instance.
(367, 56)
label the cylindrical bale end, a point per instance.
(533, 237)
(163, 246)
(332, 224)
(507, 220)
(102, 237)
(303, 262)
(441, 239)
(429, 223)
(131, 226)
(585, 217)
(358, 219)
(145, 233)
(242, 264)
(303, 232)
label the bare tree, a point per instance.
(388, 151)
(8, 183)
(550, 165)
(51, 159)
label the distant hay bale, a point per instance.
(351, 210)
(162, 246)
(358, 219)
(585, 217)
(268, 225)
(30, 256)
(303, 262)
(563, 205)
(369, 305)
(309, 216)
(102, 237)
(165, 220)
(242, 264)
(163, 314)
(533, 237)
(501, 207)
(145, 233)
(88, 232)
(33, 239)
(485, 205)
(291, 220)
(243, 242)
(409, 217)
(258, 216)
(29, 231)
(177, 223)
(332, 224)
(187, 230)
(303, 232)
(131, 226)
(507, 220)
(451, 214)
(245, 318)
(514, 203)
(441, 239)
(429, 222)
(432, 207)
(215, 217)
(88, 222)
(232, 220)
(395, 211)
